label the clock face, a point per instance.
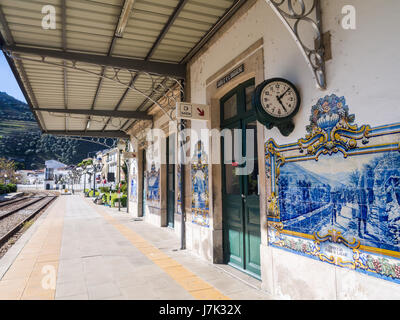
(279, 99)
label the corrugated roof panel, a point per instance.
(53, 122)
(75, 124)
(46, 83)
(223, 4)
(50, 40)
(180, 31)
(90, 27)
(195, 19)
(86, 14)
(194, 25)
(20, 13)
(96, 6)
(82, 87)
(198, 16)
(216, 8)
(179, 42)
(148, 17)
(129, 48)
(161, 55)
(132, 101)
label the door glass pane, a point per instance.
(230, 107)
(171, 162)
(253, 180)
(232, 181)
(251, 140)
(249, 95)
(251, 158)
(171, 177)
(171, 149)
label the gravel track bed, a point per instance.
(6, 203)
(15, 206)
(10, 222)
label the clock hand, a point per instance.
(280, 101)
(282, 95)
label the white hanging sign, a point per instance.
(191, 111)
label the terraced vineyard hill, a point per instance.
(22, 141)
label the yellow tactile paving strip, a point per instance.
(192, 283)
(33, 274)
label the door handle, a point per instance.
(244, 197)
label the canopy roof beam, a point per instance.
(160, 68)
(166, 28)
(99, 134)
(101, 113)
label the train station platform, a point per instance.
(80, 251)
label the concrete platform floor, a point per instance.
(77, 250)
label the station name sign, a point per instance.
(234, 73)
(191, 111)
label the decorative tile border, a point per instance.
(336, 193)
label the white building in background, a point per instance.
(110, 171)
(55, 171)
(31, 178)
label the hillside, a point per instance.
(296, 172)
(22, 141)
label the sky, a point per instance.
(8, 83)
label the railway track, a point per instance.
(13, 207)
(14, 215)
(8, 202)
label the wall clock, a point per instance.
(276, 102)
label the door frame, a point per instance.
(241, 119)
(253, 59)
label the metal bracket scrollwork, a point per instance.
(312, 16)
(109, 143)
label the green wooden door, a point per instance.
(171, 181)
(251, 202)
(232, 203)
(241, 203)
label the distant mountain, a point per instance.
(22, 141)
(298, 173)
(13, 109)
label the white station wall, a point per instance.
(365, 69)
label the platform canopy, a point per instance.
(103, 63)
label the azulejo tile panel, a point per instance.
(200, 192)
(336, 193)
(133, 182)
(153, 186)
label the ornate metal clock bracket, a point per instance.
(314, 57)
